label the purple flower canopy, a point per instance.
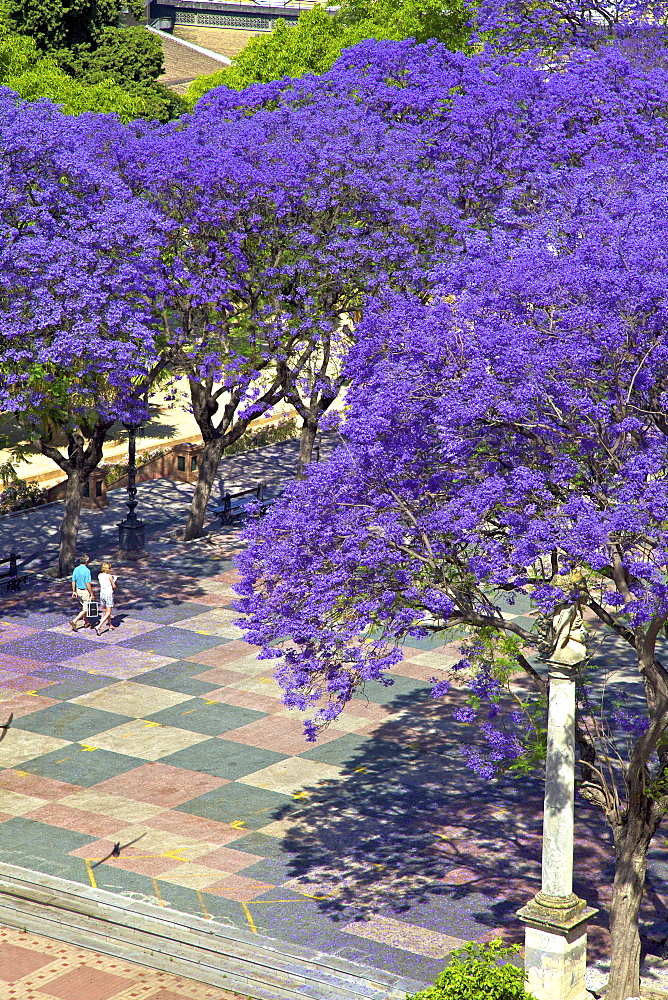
(516, 414)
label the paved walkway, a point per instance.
(34, 967)
(163, 505)
(376, 844)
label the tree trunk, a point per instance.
(69, 528)
(306, 442)
(208, 467)
(632, 840)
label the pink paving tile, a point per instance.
(419, 671)
(227, 576)
(246, 699)
(15, 962)
(220, 655)
(226, 859)
(15, 780)
(239, 887)
(85, 983)
(279, 734)
(26, 704)
(459, 876)
(367, 710)
(23, 664)
(139, 864)
(79, 820)
(5, 816)
(213, 601)
(10, 632)
(160, 784)
(194, 826)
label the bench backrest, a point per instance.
(11, 559)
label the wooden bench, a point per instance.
(10, 579)
(233, 505)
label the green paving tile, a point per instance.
(74, 686)
(123, 882)
(260, 843)
(78, 766)
(403, 687)
(178, 677)
(223, 758)
(22, 836)
(357, 751)
(70, 722)
(199, 717)
(255, 807)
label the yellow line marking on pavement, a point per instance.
(358, 769)
(147, 725)
(189, 712)
(249, 918)
(90, 873)
(62, 761)
(157, 892)
(85, 747)
(30, 692)
(211, 701)
(203, 904)
(238, 824)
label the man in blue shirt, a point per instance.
(83, 589)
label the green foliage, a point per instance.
(475, 973)
(263, 436)
(116, 470)
(46, 80)
(55, 26)
(19, 495)
(34, 76)
(315, 42)
(120, 54)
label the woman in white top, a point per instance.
(107, 587)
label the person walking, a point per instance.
(82, 587)
(107, 587)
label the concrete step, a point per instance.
(207, 951)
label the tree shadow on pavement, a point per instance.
(407, 823)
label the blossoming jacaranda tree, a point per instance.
(509, 439)
(282, 214)
(78, 351)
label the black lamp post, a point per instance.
(131, 530)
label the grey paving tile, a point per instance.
(235, 803)
(199, 717)
(223, 759)
(67, 721)
(77, 766)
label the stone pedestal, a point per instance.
(95, 490)
(555, 956)
(555, 946)
(185, 467)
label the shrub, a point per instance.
(20, 495)
(475, 972)
(263, 436)
(116, 470)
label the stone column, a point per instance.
(556, 919)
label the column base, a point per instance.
(555, 946)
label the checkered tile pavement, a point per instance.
(375, 844)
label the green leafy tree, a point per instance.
(54, 25)
(475, 972)
(121, 54)
(315, 42)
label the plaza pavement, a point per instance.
(376, 844)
